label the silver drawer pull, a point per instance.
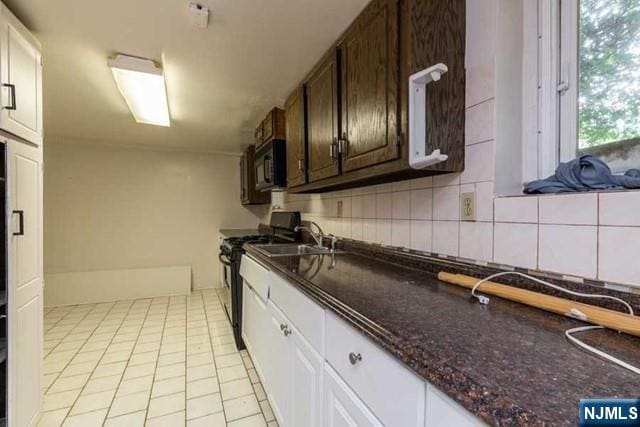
(355, 358)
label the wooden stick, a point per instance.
(596, 315)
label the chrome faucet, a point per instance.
(316, 236)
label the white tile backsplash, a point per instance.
(421, 235)
(569, 249)
(578, 209)
(422, 204)
(383, 231)
(401, 205)
(369, 206)
(618, 255)
(484, 201)
(357, 207)
(369, 230)
(446, 203)
(479, 163)
(515, 244)
(620, 208)
(476, 240)
(446, 180)
(445, 237)
(516, 209)
(479, 123)
(401, 233)
(383, 206)
(480, 82)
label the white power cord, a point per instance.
(575, 313)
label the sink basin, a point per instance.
(292, 250)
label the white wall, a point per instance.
(112, 208)
(591, 236)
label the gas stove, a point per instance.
(283, 230)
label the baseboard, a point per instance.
(112, 285)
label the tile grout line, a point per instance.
(153, 379)
(79, 349)
(125, 368)
(94, 368)
(213, 353)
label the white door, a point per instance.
(306, 370)
(21, 79)
(278, 378)
(24, 186)
(342, 408)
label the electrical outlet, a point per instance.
(339, 213)
(468, 206)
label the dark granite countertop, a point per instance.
(507, 363)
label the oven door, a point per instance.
(227, 275)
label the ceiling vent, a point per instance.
(198, 15)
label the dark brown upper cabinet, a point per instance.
(356, 103)
(295, 136)
(321, 102)
(369, 91)
(272, 127)
(248, 193)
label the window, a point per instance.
(587, 98)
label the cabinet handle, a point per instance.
(334, 148)
(285, 330)
(301, 165)
(12, 98)
(20, 231)
(355, 358)
(342, 144)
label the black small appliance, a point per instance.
(270, 165)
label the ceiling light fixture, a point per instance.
(142, 86)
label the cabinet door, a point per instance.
(21, 78)
(278, 385)
(369, 73)
(255, 319)
(321, 91)
(306, 386)
(342, 408)
(24, 184)
(294, 119)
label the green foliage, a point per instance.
(609, 97)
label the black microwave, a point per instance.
(270, 165)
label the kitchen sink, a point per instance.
(276, 250)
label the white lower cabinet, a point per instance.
(306, 370)
(254, 329)
(25, 296)
(319, 371)
(342, 408)
(295, 385)
(278, 381)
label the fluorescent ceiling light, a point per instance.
(142, 86)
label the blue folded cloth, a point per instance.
(583, 174)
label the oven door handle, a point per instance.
(224, 259)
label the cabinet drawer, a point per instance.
(306, 315)
(395, 395)
(256, 276)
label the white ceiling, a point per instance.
(221, 80)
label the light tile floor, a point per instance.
(149, 362)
